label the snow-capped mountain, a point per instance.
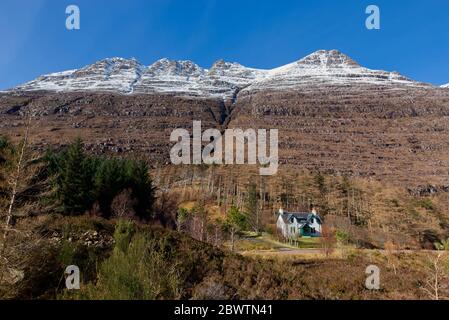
(223, 79)
(115, 74)
(328, 67)
(445, 86)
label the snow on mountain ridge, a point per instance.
(223, 79)
(327, 67)
(112, 74)
(166, 67)
(332, 58)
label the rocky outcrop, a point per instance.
(89, 238)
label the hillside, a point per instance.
(153, 263)
(334, 115)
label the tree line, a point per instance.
(72, 182)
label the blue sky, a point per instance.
(413, 40)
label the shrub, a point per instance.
(123, 234)
(343, 237)
(136, 270)
(181, 218)
(426, 204)
(271, 229)
(444, 245)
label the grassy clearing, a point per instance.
(264, 241)
(309, 243)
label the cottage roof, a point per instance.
(301, 217)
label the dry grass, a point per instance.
(206, 272)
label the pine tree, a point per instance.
(76, 180)
(322, 202)
(110, 180)
(235, 222)
(143, 189)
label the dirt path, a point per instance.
(285, 252)
(288, 251)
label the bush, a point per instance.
(343, 237)
(444, 245)
(36, 266)
(426, 204)
(271, 229)
(123, 234)
(136, 270)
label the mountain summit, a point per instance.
(327, 59)
(222, 80)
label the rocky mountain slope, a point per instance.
(124, 76)
(333, 115)
(223, 79)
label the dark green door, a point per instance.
(306, 231)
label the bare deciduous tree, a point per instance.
(123, 205)
(24, 185)
(328, 240)
(390, 252)
(15, 179)
(436, 284)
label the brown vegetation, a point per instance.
(201, 271)
(366, 213)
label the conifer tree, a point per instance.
(143, 189)
(110, 180)
(235, 222)
(76, 180)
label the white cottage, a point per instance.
(299, 224)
